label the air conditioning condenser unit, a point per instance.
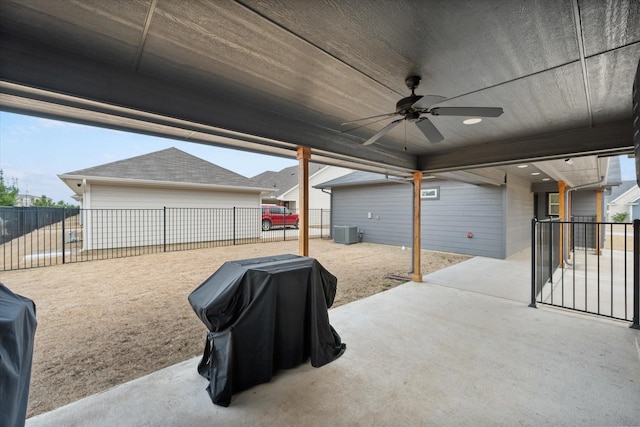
(345, 234)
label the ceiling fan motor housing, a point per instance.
(412, 116)
(405, 105)
(412, 82)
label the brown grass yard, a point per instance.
(102, 323)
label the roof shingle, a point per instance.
(169, 165)
(284, 180)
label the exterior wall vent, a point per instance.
(345, 234)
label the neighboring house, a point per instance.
(164, 179)
(284, 185)
(624, 199)
(26, 200)
(490, 218)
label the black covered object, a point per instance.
(264, 314)
(17, 332)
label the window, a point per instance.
(432, 193)
(553, 204)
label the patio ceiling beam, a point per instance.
(476, 177)
(78, 86)
(610, 139)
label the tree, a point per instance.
(620, 217)
(8, 192)
(47, 202)
(43, 201)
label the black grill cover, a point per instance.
(17, 331)
(264, 314)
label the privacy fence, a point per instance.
(587, 266)
(32, 237)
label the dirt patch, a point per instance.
(105, 322)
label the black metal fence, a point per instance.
(545, 248)
(586, 266)
(18, 221)
(585, 234)
(78, 235)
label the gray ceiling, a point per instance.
(268, 75)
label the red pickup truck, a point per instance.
(278, 216)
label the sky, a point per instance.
(35, 151)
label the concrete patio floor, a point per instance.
(461, 349)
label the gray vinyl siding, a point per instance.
(583, 203)
(391, 212)
(461, 209)
(445, 222)
(519, 212)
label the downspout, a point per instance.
(565, 243)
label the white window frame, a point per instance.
(550, 204)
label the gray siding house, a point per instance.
(456, 216)
(490, 218)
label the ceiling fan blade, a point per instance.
(366, 124)
(429, 130)
(382, 131)
(428, 100)
(368, 118)
(467, 111)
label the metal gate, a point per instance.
(587, 266)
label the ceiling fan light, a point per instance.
(472, 121)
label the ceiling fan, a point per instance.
(413, 107)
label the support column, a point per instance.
(417, 183)
(598, 221)
(303, 155)
(561, 215)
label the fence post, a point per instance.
(321, 214)
(636, 274)
(64, 218)
(234, 226)
(164, 229)
(533, 263)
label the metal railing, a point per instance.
(586, 266)
(93, 234)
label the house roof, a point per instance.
(284, 180)
(168, 166)
(584, 170)
(628, 196)
(618, 191)
(358, 178)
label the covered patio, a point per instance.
(408, 89)
(460, 352)
(283, 78)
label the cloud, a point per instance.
(48, 123)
